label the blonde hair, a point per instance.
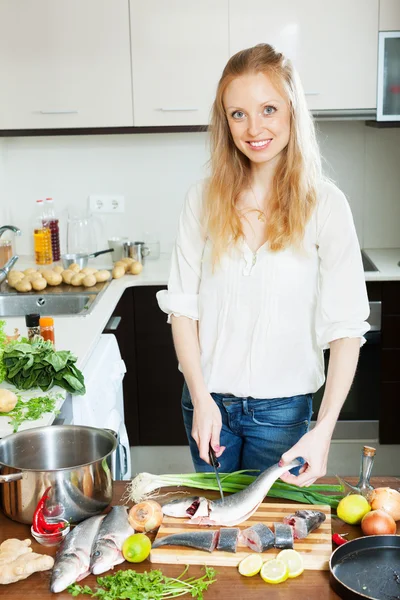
(294, 188)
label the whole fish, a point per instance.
(239, 507)
(202, 540)
(107, 546)
(73, 557)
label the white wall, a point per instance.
(154, 171)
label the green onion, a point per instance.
(146, 485)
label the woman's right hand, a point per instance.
(206, 428)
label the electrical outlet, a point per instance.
(107, 204)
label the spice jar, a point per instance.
(32, 324)
(47, 329)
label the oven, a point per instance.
(359, 417)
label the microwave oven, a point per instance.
(388, 97)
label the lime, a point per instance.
(250, 565)
(274, 571)
(293, 560)
(352, 508)
(136, 547)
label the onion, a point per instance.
(388, 500)
(145, 516)
(378, 522)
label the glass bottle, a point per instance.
(41, 238)
(47, 329)
(50, 220)
(363, 485)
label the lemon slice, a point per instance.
(274, 571)
(293, 560)
(250, 565)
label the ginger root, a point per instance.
(17, 561)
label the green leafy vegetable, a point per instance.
(145, 586)
(31, 409)
(3, 340)
(36, 364)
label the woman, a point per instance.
(266, 274)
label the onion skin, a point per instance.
(378, 522)
(388, 500)
(145, 516)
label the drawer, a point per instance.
(389, 430)
(391, 365)
(391, 331)
(391, 297)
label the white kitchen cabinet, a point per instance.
(64, 63)
(179, 49)
(333, 45)
(389, 15)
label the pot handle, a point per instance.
(114, 433)
(11, 477)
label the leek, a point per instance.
(145, 486)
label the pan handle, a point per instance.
(10, 478)
(94, 254)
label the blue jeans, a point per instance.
(255, 432)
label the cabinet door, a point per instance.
(179, 49)
(64, 63)
(332, 44)
(389, 15)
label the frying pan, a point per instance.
(367, 567)
(81, 259)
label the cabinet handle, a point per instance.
(58, 112)
(173, 109)
(312, 93)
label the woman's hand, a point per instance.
(206, 426)
(313, 447)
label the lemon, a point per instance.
(352, 508)
(136, 548)
(250, 565)
(293, 560)
(274, 571)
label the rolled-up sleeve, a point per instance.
(343, 305)
(181, 297)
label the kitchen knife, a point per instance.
(215, 464)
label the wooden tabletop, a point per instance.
(309, 586)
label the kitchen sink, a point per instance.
(18, 305)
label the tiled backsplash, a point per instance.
(154, 171)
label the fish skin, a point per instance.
(228, 539)
(178, 508)
(73, 557)
(283, 535)
(258, 537)
(304, 522)
(239, 507)
(107, 546)
(202, 540)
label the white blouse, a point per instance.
(266, 317)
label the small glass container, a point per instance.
(32, 324)
(52, 539)
(6, 252)
(47, 329)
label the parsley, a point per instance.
(152, 585)
(31, 409)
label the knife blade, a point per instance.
(215, 464)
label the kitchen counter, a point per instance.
(311, 585)
(386, 261)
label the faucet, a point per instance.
(7, 267)
(15, 230)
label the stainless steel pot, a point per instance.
(81, 259)
(74, 460)
(136, 250)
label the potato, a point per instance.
(29, 271)
(127, 260)
(74, 267)
(23, 285)
(35, 275)
(136, 268)
(8, 400)
(42, 269)
(77, 279)
(67, 275)
(58, 269)
(102, 275)
(118, 272)
(52, 278)
(89, 270)
(89, 280)
(39, 284)
(13, 277)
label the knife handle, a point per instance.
(213, 459)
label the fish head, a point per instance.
(65, 572)
(104, 556)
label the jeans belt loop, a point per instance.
(245, 406)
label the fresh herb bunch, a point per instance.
(152, 585)
(32, 364)
(31, 410)
(3, 340)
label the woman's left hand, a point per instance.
(313, 447)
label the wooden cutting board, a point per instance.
(316, 549)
